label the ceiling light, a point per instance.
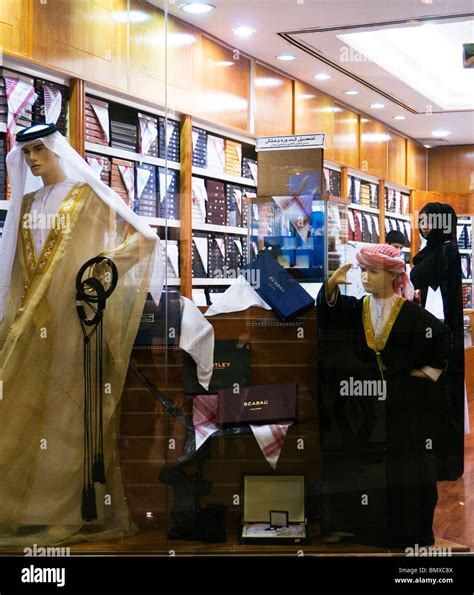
(286, 57)
(306, 96)
(322, 76)
(427, 146)
(199, 7)
(243, 31)
(427, 1)
(377, 105)
(351, 92)
(399, 117)
(440, 133)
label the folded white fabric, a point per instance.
(238, 297)
(270, 438)
(197, 339)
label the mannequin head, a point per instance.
(43, 162)
(378, 282)
(383, 271)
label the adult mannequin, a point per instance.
(50, 234)
(381, 359)
(438, 266)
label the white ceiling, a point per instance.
(311, 30)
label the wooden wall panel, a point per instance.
(148, 61)
(346, 136)
(416, 165)
(459, 202)
(224, 95)
(145, 427)
(314, 115)
(373, 147)
(15, 26)
(273, 103)
(397, 158)
(85, 39)
(451, 169)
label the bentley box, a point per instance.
(273, 510)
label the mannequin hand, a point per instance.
(337, 278)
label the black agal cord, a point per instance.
(91, 293)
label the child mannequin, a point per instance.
(381, 364)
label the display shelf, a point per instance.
(467, 280)
(3, 127)
(172, 281)
(4, 204)
(364, 208)
(226, 131)
(160, 222)
(220, 228)
(216, 175)
(465, 251)
(464, 221)
(129, 155)
(397, 216)
(332, 165)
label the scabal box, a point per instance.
(277, 287)
(265, 495)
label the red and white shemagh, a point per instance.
(20, 96)
(386, 257)
(297, 209)
(148, 133)
(97, 165)
(52, 104)
(270, 438)
(128, 177)
(204, 417)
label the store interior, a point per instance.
(166, 100)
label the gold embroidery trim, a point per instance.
(39, 266)
(378, 346)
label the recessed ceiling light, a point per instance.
(198, 7)
(322, 76)
(243, 31)
(377, 105)
(440, 133)
(286, 57)
(427, 146)
(351, 92)
(399, 117)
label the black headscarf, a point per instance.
(445, 232)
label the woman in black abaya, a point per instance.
(438, 265)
